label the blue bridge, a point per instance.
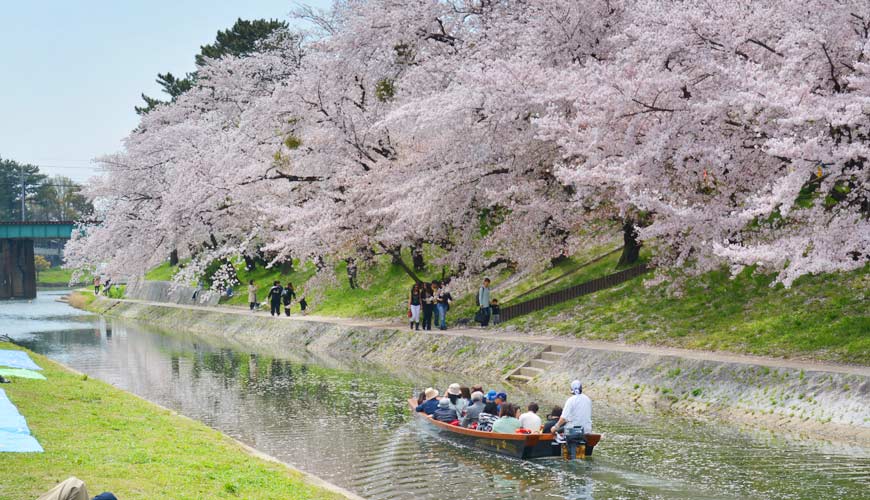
(17, 269)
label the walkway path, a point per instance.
(549, 340)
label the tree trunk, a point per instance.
(173, 258)
(417, 257)
(396, 254)
(631, 247)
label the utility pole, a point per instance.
(23, 191)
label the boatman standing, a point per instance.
(576, 419)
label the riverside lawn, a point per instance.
(824, 317)
(116, 442)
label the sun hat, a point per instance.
(431, 393)
(576, 387)
(477, 396)
(490, 396)
(444, 403)
(454, 389)
(502, 396)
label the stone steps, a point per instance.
(534, 367)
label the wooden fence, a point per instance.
(573, 292)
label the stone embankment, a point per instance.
(817, 400)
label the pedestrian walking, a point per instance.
(252, 296)
(414, 305)
(275, 298)
(427, 297)
(483, 301)
(287, 297)
(96, 285)
(303, 304)
(442, 305)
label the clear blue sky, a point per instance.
(72, 70)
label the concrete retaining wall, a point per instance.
(167, 291)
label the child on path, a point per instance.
(496, 311)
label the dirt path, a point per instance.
(477, 332)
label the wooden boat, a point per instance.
(525, 446)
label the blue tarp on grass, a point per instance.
(14, 434)
(17, 359)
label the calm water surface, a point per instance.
(350, 425)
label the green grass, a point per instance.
(823, 317)
(264, 278)
(58, 276)
(163, 272)
(117, 442)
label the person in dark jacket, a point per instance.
(431, 404)
(427, 297)
(473, 411)
(275, 298)
(288, 296)
(552, 419)
(487, 417)
(445, 413)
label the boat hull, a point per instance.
(523, 446)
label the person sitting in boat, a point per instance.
(478, 388)
(507, 422)
(490, 397)
(576, 419)
(530, 419)
(474, 410)
(457, 402)
(552, 419)
(431, 404)
(487, 417)
(445, 413)
(500, 400)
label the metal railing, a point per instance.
(573, 292)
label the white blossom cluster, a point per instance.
(736, 132)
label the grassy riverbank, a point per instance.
(117, 442)
(822, 317)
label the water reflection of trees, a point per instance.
(278, 381)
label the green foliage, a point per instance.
(385, 90)
(241, 39)
(41, 263)
(46, 198)
(144, 451)
(292, 142)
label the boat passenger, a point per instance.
(490, 397)
(478, 388)
(474, 410)
(576, 419)
(431, 404)
(530, 419)
(487, 417)
(457, 402)
(500, 400)
(507, 422)
(466, 393)
(552, 419)
(445, 413)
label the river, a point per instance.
(350, 425)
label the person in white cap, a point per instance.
(457, 402)
(576, 419)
